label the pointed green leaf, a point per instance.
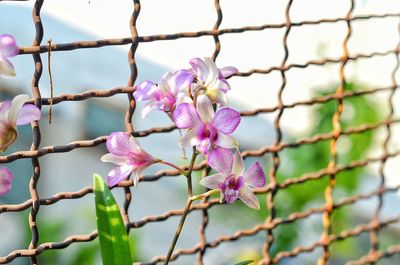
(114, 243)
(245, 262)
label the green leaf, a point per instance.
(245, 262)
(114, 243)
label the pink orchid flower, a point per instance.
(13, 113)
(232, 179)
(127, 154)
(205, 130)
(6, 178)
(165, 95)
(211, 80)
(8, 48)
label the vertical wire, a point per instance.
(131, 99)
(216, 26)
(35, 132)
(374, 235)
(267, 259)
(204, 224)
(329, 202)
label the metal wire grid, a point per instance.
(272, 222)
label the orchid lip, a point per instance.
(231, 187)
(207, 131)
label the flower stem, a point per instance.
(178, 231)
(183, 172)
(187, 206)
(204, 195)
(189, 174)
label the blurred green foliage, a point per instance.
(54, 229)
(307, 158)
(51, 230)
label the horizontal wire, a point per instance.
(160, 37)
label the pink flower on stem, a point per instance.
(6, 178)
(8, 48)
(205, 130)
(232, 179)
(13, 113)
(211, 80)
(130, 158)
(165, 95)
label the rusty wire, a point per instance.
(374, 227)
(326, 218)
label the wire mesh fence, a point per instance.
(39, 50)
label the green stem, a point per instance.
(178, 231)
(187, 206)
(204, 195)
(189, 174)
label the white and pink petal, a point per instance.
(146, 90)
(181, 79)
(27, 114)
(186, 116)
(199, 68)
(226, 141)
(6, 179)
(248, 197)
(6, 67)
(228, 71)
(189, 138)
(16, 106)
(118, 174)
(118, 143)
(238, 164)
(182, 97)
(221, 159)
(212, 71)
(137, 172)
(115, 159)
(222, 86)
(8, 46)
(213, 181)
(150, 106)
(5, 106)
(205, 109)
(255, 176)
(226, 120)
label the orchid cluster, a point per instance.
(194, 99)
(12, 113)
(188, 97)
